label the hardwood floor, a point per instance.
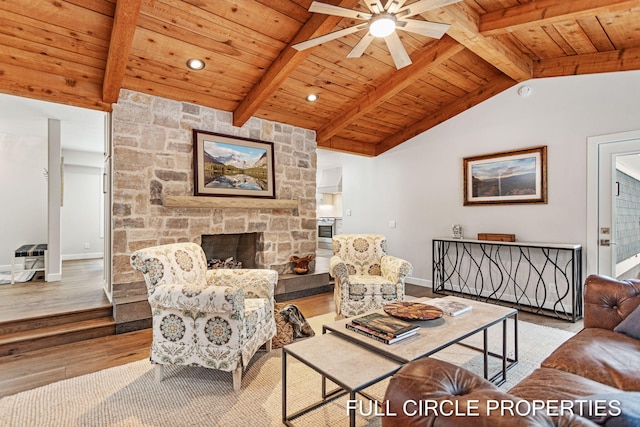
(24, 371)
(80, 288)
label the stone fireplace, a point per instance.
(152, 162)
(241, 247)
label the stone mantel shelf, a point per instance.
(227, 202)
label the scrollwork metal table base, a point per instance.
(535, 277)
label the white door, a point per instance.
(602, 153)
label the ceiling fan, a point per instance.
(382, 22)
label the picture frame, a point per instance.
(508, 177)
(232, 166)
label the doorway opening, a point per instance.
(73, 163)
(608, 179)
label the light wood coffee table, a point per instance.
(351, 366)
(354, 361)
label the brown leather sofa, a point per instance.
(596, 361)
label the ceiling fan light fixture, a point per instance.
(382, 24)
(195, 64)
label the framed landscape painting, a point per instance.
(509, 177)
(232, 166)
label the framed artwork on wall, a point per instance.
(518, 176)
(226, 165)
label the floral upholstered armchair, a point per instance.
(366, 278)
(211, 318)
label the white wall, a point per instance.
(81, 212)
(419, 183)
(23, 193)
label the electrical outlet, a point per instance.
(392, 223)
(87, 245)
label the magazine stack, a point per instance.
(383, 328)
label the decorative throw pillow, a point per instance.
(611, 410)
(630, 326)
(301, 327)
(284, 329)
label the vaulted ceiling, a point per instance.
(81, 52)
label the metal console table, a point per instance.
(543, 278)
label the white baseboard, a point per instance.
(53, 277)
(418, 282)
(93, 255)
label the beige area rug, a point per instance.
(129, 396)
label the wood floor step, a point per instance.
(55, 335)
(38, 322)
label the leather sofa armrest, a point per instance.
(608, 301)
(449, 396)
(433, 393)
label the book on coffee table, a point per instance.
(379, 336)
(450, 307)
(386, 324)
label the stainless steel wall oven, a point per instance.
(326, 227)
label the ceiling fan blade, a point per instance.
(426, 28)
(394, 5)
(423, 6)
(329, 9)
(331, 36)
(375, 6)
(398, 52)
(362, 45)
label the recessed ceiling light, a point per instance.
(312, 97)
(195, 64)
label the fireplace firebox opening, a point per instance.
(241, 247)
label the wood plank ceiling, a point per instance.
(81, 52)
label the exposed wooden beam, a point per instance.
(124, 28)
(350, 146)
(464, 29)
(483, 93)
(435, 55)
(546, 12)
(285, 63)
(601, 62)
